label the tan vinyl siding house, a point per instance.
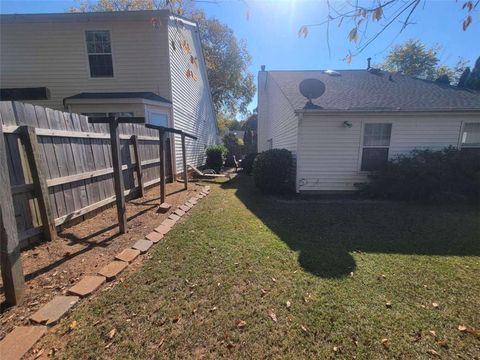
(54, 51)
(330, 142)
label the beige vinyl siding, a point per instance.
(53, 54)
(277, 119)
(329, 154)
(191, 102)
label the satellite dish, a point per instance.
(311, 89)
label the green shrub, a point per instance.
(215, 157)
(449, 175)
(272, 171)
(247, 163)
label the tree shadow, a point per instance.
(327, 232)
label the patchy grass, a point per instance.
(241, 256)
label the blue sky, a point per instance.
(272, 27)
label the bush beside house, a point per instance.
(449, 175)
(215, 157)
(272, 171)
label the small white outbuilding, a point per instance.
(361, 119)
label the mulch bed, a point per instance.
(51, 268)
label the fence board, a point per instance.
(77, 163)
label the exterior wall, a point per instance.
(276, 117)
(50, 50)
(329, 154)
(191, 100)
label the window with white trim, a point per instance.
(376, 142)
(471, 135)
(99, 50)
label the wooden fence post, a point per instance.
(184, 157)
(39, 182)
(118, 177)
(162, 166)
(10, 261)
(138, 167)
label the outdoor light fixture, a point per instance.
(347, 124)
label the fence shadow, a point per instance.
(327, 232)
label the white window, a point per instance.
(376, 142)
(471, 135)
(158, 118)
(99, 50)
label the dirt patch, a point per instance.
(51, 268)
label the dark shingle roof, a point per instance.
(119, 95)
(363, 90)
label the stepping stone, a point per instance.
(164, 207)
(19, 341)
(179, 212)
(188, 204)
(154, 237)
(207, 188)
(174, 217)
(162, 229)
(143, 245)
(54, 310)
(193, 201)
(128, 255)
(87, 285)
(168, 223)
(111, 270)
(185, 208)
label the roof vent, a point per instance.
(332, 72)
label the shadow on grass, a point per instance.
(326, 233)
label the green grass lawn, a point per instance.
(242, 256)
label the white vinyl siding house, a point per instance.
(85, 58)
(332, 143)
(280, 131)
(191, 95)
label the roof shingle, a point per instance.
(382, 91)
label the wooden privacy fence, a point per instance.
(70, 159)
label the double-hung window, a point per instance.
(99, 50)
(376, 142)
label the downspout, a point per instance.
(297, 162)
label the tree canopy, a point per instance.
(415, 59)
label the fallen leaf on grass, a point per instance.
(288, 304)
(264, 292)
(335, 349)
(274, 280)
(111, 333)
(386, 344)
(73, 325)
(433, 353)
(213, 309)
(435, 305)
(304, 329)
(272, 316)
(108, 345)
(162, 340)
(462, 328)
(388, 304)
(241, 324)
(433, 333)
(443, 343)
(465, 329)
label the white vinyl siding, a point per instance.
(277, 121)
(191, 102)
(329, 154)
(53, 54)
